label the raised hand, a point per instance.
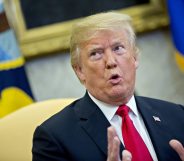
(114, 147)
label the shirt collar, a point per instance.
(110, 110)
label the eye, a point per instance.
(95, 55)
(119, 49)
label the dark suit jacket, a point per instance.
(79, 132)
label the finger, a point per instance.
(178, 147)
(114, 153)
(126, 155)
(111, 133)
(116, 148)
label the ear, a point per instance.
(80, 73)
(136, 62)
(136, 57)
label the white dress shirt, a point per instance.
(110, 113)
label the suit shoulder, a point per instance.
(154, 101)
(64, 116)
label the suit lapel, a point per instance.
(93, 121)
(157, 128)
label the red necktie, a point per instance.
(132, 140)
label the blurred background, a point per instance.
(49, 72)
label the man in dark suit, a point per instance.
(105, 58)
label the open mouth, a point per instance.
(115, 76)
(115, 79)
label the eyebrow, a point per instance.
(97, 46)
(117, 43)
(94, 47)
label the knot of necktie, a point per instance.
(122, 110)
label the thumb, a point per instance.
(126, 155)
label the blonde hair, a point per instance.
(86, 29)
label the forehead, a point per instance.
(103, 37)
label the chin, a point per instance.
(116, 94)
(120, 93)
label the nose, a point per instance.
(111, 61)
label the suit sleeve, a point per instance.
(45, 147)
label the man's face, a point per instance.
(108, 67)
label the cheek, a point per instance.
(91, 73)
(129, 70)
(96, 68)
